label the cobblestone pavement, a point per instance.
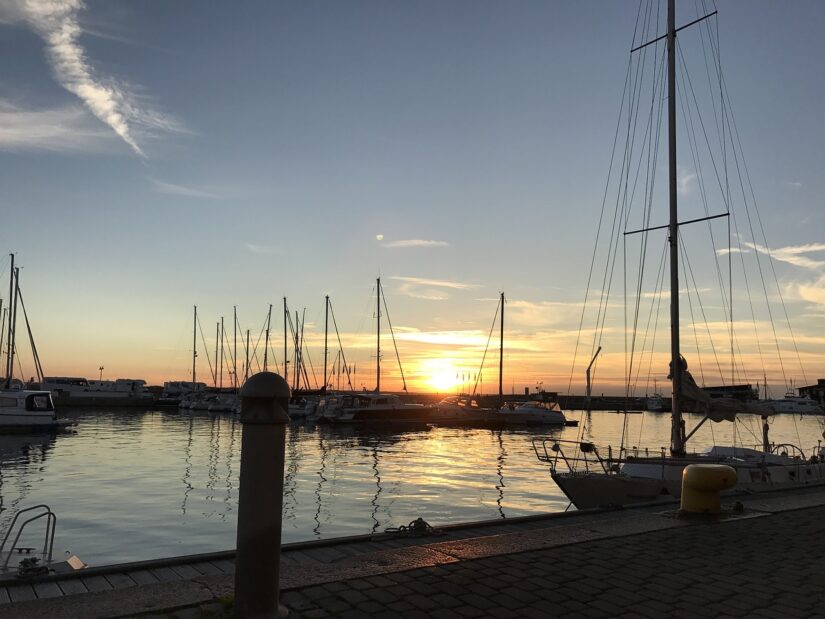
(759, 567)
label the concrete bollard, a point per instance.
(701, 485)
(264, 406)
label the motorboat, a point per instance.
(797, 405)
(532, 413)
(373, 407)
(655, 403)
(26, 410)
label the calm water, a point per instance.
(131, 485)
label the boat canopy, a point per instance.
(694, 399)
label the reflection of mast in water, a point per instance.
(378, 489)
(502, 455)
(187, 471)
(290, 479)
(214, 457)
(229, 480)
(321, 479)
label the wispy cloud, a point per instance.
(181, 190)
(56, 21)
(63, 129)
(733, 250)
(415, 243)
(793, 254)
(261, 249)
(441, 283)
(428, 289)
(792, 184)
(684, 181)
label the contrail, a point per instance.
(56, 21)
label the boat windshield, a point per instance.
(39, 402)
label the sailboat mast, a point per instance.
(10, 342)
(220, 374)
(326, 338)
(194, 344)
(286, 355)
(266, 343)
(378, 335)
(217, 345)
(235, 347)
(501, 355)
(677, 436)
(246, 372)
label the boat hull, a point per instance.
(663, 482)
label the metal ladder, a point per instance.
(41, 511)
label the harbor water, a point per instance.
(130, 486)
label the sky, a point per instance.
(160, 155)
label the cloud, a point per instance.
(733, 250)
(260, 249)
(421, 281)
(180, 190)
(62, 129)
(684, 181)
(792, 184)
(792, 254)
(414, 243)
(56, 21)
(813, 292)
(428, 289)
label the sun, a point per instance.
(440, 374)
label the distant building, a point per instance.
(815, 392)
(744, 393)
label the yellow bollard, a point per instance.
(701, 485)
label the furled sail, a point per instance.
(695, 400)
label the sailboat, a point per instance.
(593, 477)
(23, 409)
(375, 407)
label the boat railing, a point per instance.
(582, 457)
(40, 511)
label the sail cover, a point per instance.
(695, 400)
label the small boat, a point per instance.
(655, 403)
(794, 404)
(27, 410)
(373, 408)
(532, 413)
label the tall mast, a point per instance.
(501, 355)
(220, 374)
(10, 342)
(677, 440)
(299, 363)
(217, 343)
(326, 334)
(194, 344)
(235, 347)
(13, 324)
(266, 343)
(246, 372)
(286, 355)
(378, 335)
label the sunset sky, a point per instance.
(160, 155)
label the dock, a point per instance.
(761, 558)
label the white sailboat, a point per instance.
(591, 476)
(22, 409)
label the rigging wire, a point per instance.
(392, 333)
(489, 337)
